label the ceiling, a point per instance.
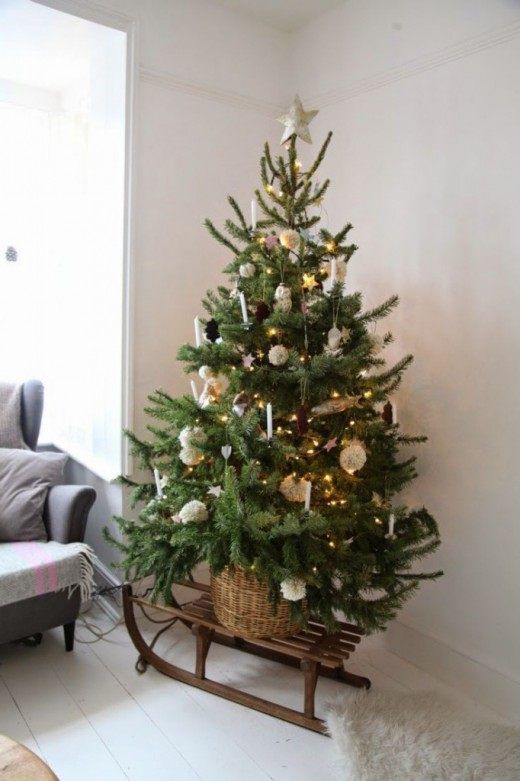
(286, 15)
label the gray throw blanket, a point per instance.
(11, 434)
(30, 569)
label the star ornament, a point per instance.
(247, 360)
(331, 444)
(309, 281)
(215, 490)
(296, 122)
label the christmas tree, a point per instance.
(288, 462)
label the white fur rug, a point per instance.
(419, 737)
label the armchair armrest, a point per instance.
(66, 512)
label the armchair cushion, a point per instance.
(66, 512)
(25, 478)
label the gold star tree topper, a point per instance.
(297, 121)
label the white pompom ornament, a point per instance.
(378, 344)
(292, 489)
(353, 457)
(191, 456)
(278, 355)
(191, 437)
(193, 512)
(282, 297)
(290, 239)
(247, 270)
(293, 589)
(206, 373)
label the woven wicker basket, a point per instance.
(241, 604)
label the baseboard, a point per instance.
(483, 684)
(105, 578)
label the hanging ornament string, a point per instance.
(304, 388)
(336, 302)
(304, 307)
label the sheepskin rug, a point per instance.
(419, 737)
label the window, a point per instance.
(62, 157)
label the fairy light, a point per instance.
(310, 451)
(224, 418)
(315, 569)
(293, 417)
(297, 165)
(269, 188)
(279, 429)
(272, 331)
(331, 246)
(280, 194)
(332, 544)
(328, 478)
(378, 521)
(268, 271)
(335, 394)
(368, 394)
(352, 422)
(302, 358)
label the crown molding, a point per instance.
(92, 11)
(436, 59)
(170, 81)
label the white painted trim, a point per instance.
(168, 80)
(467, 47)
(127, 383)
(475, 679)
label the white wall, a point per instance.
(424, 99)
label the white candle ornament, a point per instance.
(243, 308)
(158, 486)
(391, 524)
(269, 410)
(194, 390)
(253, 214)
(198, 332)
(308, 489)
(333, 270)
(226, 451)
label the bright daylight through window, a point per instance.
(62, 157)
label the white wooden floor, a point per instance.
(91, 716)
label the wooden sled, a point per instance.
(314, 651)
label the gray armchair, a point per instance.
(65, 517)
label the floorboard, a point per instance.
(90, 715)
